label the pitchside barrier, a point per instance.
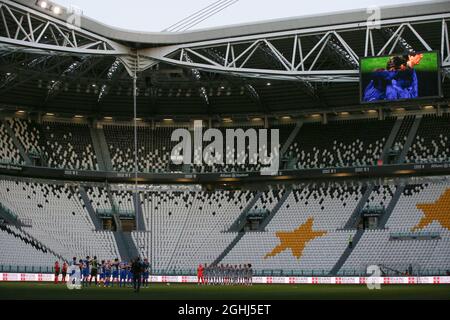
(44, 277)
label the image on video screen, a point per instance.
(400, 77)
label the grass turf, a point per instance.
(25, 291)
(429, 63)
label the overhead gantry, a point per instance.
(315, 53)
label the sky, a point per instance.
(157, 15)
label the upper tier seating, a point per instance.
(154, 148)
(284, 132)
(69, 146)
(402, 134)
(8, 151)
(28, 134)
(340, 143)
(432, 142)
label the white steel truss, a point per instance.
(25, 29)
(303, 64)
(299, 55)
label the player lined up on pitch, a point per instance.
(107, 273)
(225, 274)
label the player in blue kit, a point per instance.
(81, 267)
(146, 273)
(115, 272)
(123, 274)
(129, 275)
(102, 273)
(107, 273)
(86, 271)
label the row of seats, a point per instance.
(153, 152)
(8, 151)
(432, 141)
(188, 227)
(58, 217)
(422, 207)
(347, 143)
(58, 144)
(402, 134)
(244, 156)
(342, 143)
(306, 234)
(18, 249)
(315, 247)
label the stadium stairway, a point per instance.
(291, 138)
(140, 223)
(103, 147)
(7, 215)
(334, 271)
(120, 241)
(409, 141)
(351, 223)
(12, 219)
(391, 139)
(228, 248)
(130, 246)
(97, 149)
(42, 245)
(275, 209)
(115, 213)
(16, 142)
(125, 245)
(88, 205)
(390, 208)
(239, 223)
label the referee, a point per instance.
(136, 269)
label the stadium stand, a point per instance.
(340, 143)
(330, 206)
(99, 198)
(154, 148)
(343, 143)
(381, 196)
(432, 142)
(69, 146)
(188, 227)
(58, 218)
(402, 134)
(306, 236)
(8, 152)
(19, 250)
(284, 132)
(28, 134)
(429, 255)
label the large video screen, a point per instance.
(400, 77)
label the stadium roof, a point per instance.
(100, 84)
(300, 22)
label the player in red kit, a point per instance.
(200, 277)
(64, 272)
(57, 269)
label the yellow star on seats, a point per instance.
(437, 211)
(296, 240)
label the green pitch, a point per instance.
(194, 292)
(429, 63)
